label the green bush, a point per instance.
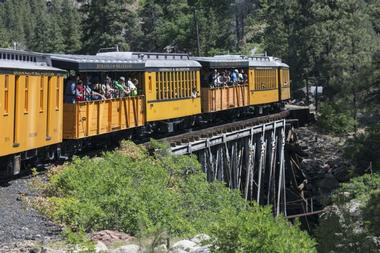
(253, 230)
(143, 195)
(363, 150)
(351, 224)
(358, 188)
(335, 119)
(371, 213)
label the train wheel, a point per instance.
(10, 166)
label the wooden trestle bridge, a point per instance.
(254, 158)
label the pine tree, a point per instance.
(47, 31)
(70, 24)
(104, 25)
(151, 15)
(14, 23)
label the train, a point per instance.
(175, 91)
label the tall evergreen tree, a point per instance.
(104, 24)
(71, 30)
(47, 32)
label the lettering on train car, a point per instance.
(173, 69)
(33, 135)
(32, 73)
(114, 66)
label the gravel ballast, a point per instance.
(18, 221)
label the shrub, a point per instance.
(143, 195)
(335, 119)
(351, 223)
(363, 150)
(371, 213)
(254, 230)
(358, 188)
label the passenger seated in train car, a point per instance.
(121, 87)
(234, 77)
(109, 90)
(70, 89)
(194, 92)
(136, 83)
(226, 78)
(97, 92)
(244, 76)
(80, 91)
(214, 78)
(132, 88)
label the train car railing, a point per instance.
(91, 118)
(224, 98)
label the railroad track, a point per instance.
(173, 140)
(225, 128)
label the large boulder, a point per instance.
(328, 184)
(109, 236)
(184, 245)
(201, 238)
(100, 247)
(132, 248)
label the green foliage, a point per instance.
(104, 25)
(70, 25)
(36, 26)
(163, 194)
(351, 223)
(363, 150)
(335, 120)
(78, 238)
(235, 233)
(371, 213)
(358, 188)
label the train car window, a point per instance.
(157, 85)
(162, 88)
(186, 80)
(185, 84)
(6, 95)
(181, 85)
(57, 90)
(26, 102)
(42, 78)
(265, 79)
(285, 77)
(170, 85)
(175, 84)
(150, 82)
(193, 81)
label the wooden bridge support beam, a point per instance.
(251, 160)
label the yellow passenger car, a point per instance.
(219, 92)
(94, 117)
(263, 81)
(171, 87)
(268, 80)
(30, 103)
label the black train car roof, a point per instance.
(17, 61)
(223, 61)
(96, 63)
(158, 61)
